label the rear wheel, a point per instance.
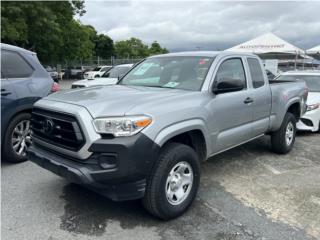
(17, 139)
(282, 141)
(174, 182)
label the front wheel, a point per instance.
(282, 141)
(174, 182)
(17, 139)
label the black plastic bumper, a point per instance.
(117, 169)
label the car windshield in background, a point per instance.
(97, 69)
(186, 73)
(116, 72)
(312, 81)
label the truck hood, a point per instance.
(96, 82)
(313, 98)
(117, 100)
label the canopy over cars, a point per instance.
(314, 52)
(270, 46)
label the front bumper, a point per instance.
(310, 121)
(117, 169)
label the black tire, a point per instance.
(155, 199)
(8, 153)
(96, 76)
(278, 138)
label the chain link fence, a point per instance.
(76, 69)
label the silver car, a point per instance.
(145, 137)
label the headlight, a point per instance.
(121, 126)
(313, 107)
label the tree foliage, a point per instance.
(47, 28)
(155, 48)
(135, 48)
(104, 47)
(50, 29)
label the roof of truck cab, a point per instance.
(203, 54)
(15, 48)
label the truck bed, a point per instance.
(282, 92)
(280, 81)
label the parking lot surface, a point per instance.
(245, 193)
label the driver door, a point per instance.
(231, 111)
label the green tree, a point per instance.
(46, 28)
(132, 48)
(155, 49)
(77, 44)
(103, 46)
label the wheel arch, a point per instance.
(191, 133)
(5, 124)
(295, 108)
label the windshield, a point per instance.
(96, 69)
(186, 73)
(312, 81)
(116, 72)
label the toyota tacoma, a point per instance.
(145, 137)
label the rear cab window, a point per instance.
(256, 73)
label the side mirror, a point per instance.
(228, 85)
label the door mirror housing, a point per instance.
(228, 85)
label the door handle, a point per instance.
(4, 92)
(248, 100)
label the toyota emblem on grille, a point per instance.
(47, 126)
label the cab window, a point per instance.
(256, 72)
(231, 70)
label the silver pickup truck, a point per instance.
(146, 136)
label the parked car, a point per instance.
(108, 78)
(74, 72)
(96, 72)
(23, 81)
(53, 74)
(146, 136)
(311, 120)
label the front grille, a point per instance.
(59, 129)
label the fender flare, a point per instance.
(181, 127)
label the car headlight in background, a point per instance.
(121, 126)
(313, 107)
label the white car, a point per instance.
(310, 121)
(96, 72)
(109, 78)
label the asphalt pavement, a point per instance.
(245, 193)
